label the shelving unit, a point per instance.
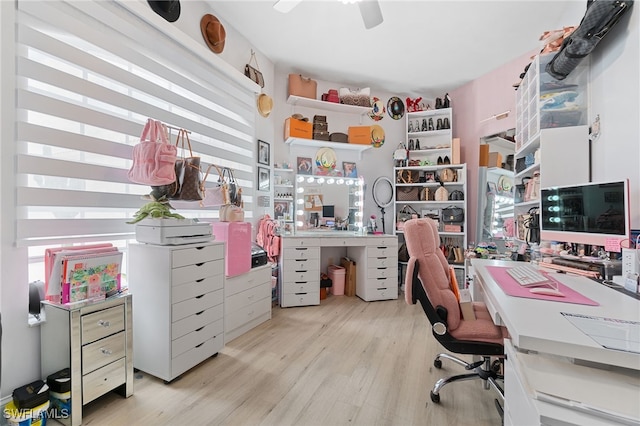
(433, 143)
(284, 195)
(548, 129)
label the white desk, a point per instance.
(542, 339)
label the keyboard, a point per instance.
(527, 275)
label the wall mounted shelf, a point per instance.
(327, 106)
(335, 145)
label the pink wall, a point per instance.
(482, 98)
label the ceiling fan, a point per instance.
(369, 10)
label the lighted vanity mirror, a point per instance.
(328, 204)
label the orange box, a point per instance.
(483, 161)
(360, 135)
(455, 151)
(297, 129)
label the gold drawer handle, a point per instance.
(104, 323)
(106, 351)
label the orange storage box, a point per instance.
(360, 135)
(297, 129)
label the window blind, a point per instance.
(89, 74)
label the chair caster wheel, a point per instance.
(437, 363)
(435, 398)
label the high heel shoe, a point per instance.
(424, 125)
(446, 160)
(438, 103)
(445, 123)
(430, 127)
(417, 144)
(439, 124)
(446, 103)
(410, 127)
(411, 147)
(439, 160)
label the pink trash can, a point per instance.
(337, 275)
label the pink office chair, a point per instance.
(427, 281)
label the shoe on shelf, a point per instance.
(440, 161)
(445, 123)
(439, 124)
(424, 125)
(417, 144)
(430, 127)
(438, 103)
(446, 160)
(446, 103)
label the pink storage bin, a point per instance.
(237, 239)
(337, 275)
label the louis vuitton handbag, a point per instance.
(254, 72)
(406, 193)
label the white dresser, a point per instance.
(94, 340)
(247, 301)
(376, 258)
(300, 272)
(179, 305)
(377, 279)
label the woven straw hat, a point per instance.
(265, 104)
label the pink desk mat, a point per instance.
(512, 288)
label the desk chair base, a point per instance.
(484, 370)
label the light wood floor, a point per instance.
(345, 362)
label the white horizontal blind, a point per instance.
(89, 75)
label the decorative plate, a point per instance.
(504, 184)
(395, 108)
(377, 136)
(377, 109)
(326, 160)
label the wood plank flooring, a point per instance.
(345, 362)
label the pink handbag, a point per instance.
(218, 193)
(154, 157)
(231, 213)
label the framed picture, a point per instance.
(305, 166)
(263, 179)
(349, 169)
(263, 153)
(281, 209)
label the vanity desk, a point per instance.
(375, 256)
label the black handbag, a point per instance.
(532, 224)
(456, 195)
(520, 164)
(452, 214)
(600, 16)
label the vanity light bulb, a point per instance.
(310, 180)
(299, 201)
(299, 223)
(358, 224)
(340, 181)
(331, 181)
(357, 193)
(320, 180)
(300, 190)
(299, 212)
(350, 182)
(358, 214)
(357, 203)
(300, 178)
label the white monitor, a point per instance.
(595, 213)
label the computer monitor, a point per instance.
(590, 213)
(328, 212)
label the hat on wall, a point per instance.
(265, 104)
(168, 9)
(213, 32)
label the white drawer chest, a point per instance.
(94, 340)
(247, 301)
(376, 258)
(178, 305)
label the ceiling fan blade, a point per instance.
(371, 13)
(285, 6)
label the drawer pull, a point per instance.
(200, 264)
(199, 313)
(199, 329)
(301, 248)
(106, 351)
(200, 297)
(199, 248)
(104, 323)
(197, 346)
(200, 280)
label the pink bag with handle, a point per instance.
(154, 157)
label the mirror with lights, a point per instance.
(496, 183)
(328, 203)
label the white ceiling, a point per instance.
(423, 47)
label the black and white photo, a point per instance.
(263, 153)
